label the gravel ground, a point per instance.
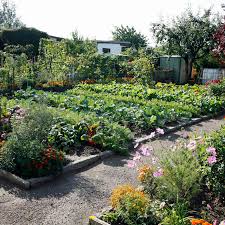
(70, 199)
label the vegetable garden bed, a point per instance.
(38, 129)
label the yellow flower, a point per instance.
(92, 217)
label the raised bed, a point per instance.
(75, 166)
(78, 165)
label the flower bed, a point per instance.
(183, 185)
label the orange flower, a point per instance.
(199, 222)
(144, 172)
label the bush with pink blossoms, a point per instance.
(215, 158)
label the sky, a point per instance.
(95, 19)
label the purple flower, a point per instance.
(160, 131)
(211, 160)
(158, 173)
(137, 156)
(192, 145)
(131, 164)
(211, 150)
(152, 135)
(145, 151)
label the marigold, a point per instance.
(127, 191)
(199, 222)
(144, 173)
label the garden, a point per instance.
(61, 101)
(182, 185)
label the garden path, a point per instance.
(69, 200)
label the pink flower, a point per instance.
(209, 207)
(211, 150)
(152, 135)
(158, 173)
(145, 151)
(192, 145)
(215, 222)
(160, 131)
(137, 156)
(131, 164)
(211, 160)
(154, 160)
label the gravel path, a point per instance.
(69, 200)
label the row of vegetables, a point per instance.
(101, 116)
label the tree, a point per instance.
(8, 17)
(189, 35)
(219, 38)
(127, 33)
(78, 45)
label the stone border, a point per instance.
(93, 220)
(75, 166)
(168, 129)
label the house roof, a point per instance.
(124, 43)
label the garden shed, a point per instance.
(209, 74)
(171, 69)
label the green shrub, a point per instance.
(176, 214)
(27, 141)
(216, 172)
(112, 136)
(218, 89)
(182, 176)
(22, 36)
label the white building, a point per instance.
(112, 47)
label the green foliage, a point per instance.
(216, 172)
(207, 61)
(114, 137)
(218, 89)
(129, 34)
(27, 141)
(143, 70)
(78, 45)
(189, 35)
(182, 176)
(176, 214)
(19, 49)
(22, 36)
(8, 17)
(65, 136)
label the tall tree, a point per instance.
(189, 35)
(130, 34)
(8, 17)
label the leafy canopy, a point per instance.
(189, 35)
(126, 33)
(8, 17)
